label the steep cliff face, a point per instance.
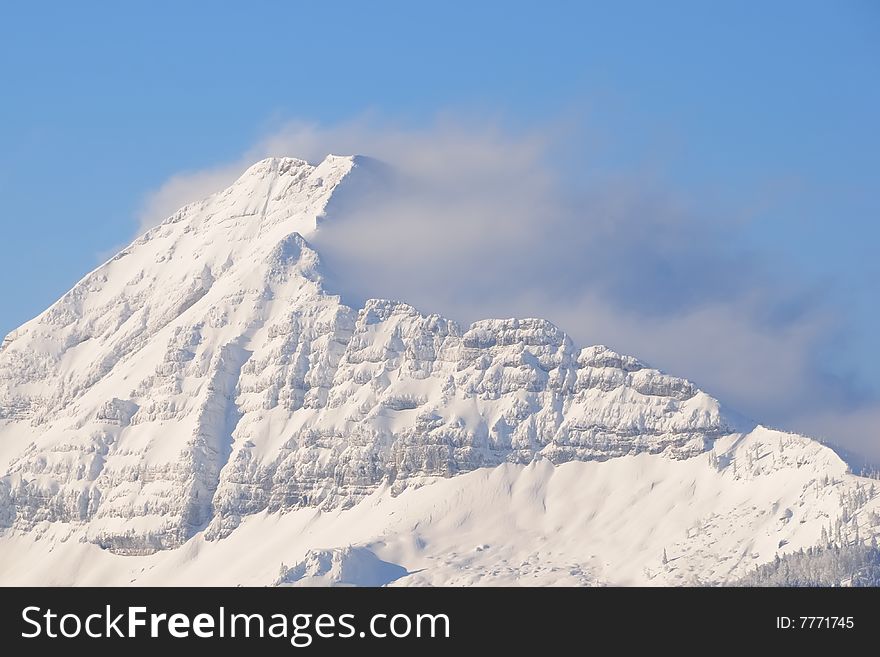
(205, 374)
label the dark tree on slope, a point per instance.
(834, 565)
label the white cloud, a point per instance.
(856, 429)
(183, 188)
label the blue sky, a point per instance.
(763, 116)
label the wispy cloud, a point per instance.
(478, 220)
(183, 188)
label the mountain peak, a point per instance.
(276, 166)
(284, 193)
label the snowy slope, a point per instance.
(202, 399)
(579, 523)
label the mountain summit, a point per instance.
(201, 398)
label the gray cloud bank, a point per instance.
(472, 220)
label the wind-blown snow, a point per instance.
(203, 399)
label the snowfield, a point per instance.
(202, 410)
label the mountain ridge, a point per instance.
(203, 376)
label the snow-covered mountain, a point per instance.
(201, 407)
